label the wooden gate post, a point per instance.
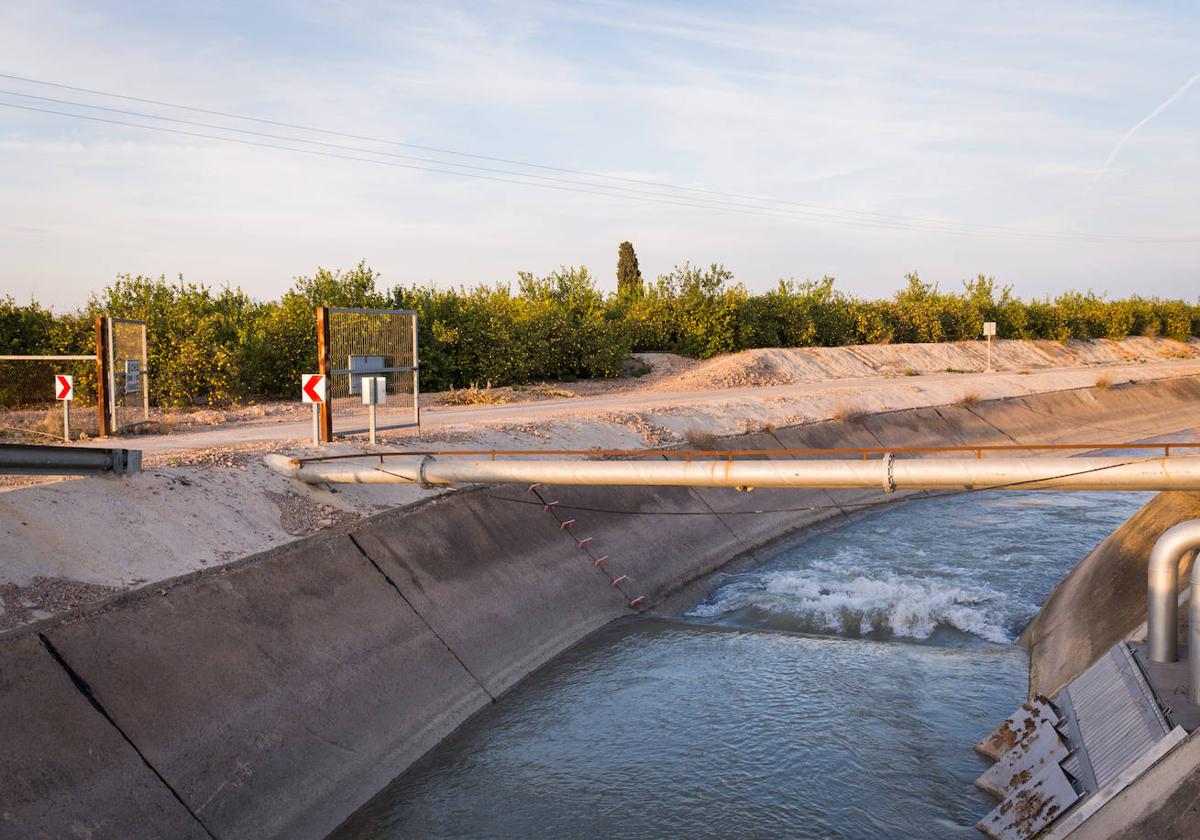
(323, 368)
(102, 419)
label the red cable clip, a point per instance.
(533, 487)
(581, 543)
(549, 505)
(633, 604)
(568, 524)
(598, 562)
(620, 580)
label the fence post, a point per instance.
(102, 423)
(323, 367)
(416, 373)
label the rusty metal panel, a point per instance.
(1044, 745)
(1031, 807)
(1023, 721)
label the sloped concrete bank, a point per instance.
(1103, 599)
(273, 696)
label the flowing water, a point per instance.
(835, 691)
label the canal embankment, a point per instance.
(271, 696)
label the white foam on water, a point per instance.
(907, 607)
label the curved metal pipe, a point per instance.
(1162, 596)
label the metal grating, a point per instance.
(1116, 713)
(372, 342)
(128, 384)
(1114, 728)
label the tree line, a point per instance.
(216, 345)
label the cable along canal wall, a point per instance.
(273, 696)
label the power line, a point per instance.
(637, 181)
(699, 203)
(518, 180)
(616, 191)
(696, 199)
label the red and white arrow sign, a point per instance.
(64, 387)
(312, 387)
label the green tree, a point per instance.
(629, 276)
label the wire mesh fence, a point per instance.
(28, 408)
(128, 387)
(372, 342)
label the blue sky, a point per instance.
(970, 115)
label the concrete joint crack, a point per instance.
(424, 620)
(84, 689)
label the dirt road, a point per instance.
(731, 410)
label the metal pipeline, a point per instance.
(1162, 595)
(887, 474)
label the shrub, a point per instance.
(213, 345)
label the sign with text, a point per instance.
(312, 388)
(989, 328)
(133, 376)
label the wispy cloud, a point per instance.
(1158, 109)
(973, 115)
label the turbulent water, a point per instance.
(834, 691)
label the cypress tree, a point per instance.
(629, 276)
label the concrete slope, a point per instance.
(66, 771)
(273, 696)
(1103, 599)
(270, 694)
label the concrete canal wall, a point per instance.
(272, 696)
(1103, 599)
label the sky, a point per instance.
(1053, 145)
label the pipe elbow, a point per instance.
(1162, 588)
(1174, 543)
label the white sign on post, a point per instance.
(312, 390)
(374, 390)
(133, 376)
(64, 387)
(64, 391)
(989, 328)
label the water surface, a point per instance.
(834, 691)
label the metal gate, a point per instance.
(355, 343)
(127, 391)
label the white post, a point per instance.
(989, 330)
(67, 420)
(416, 366)
(145, 378)
(316, 424)
(374, 393)
(989, 354)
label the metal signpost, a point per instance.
(64, 392)
(374, 393)
(312, 390)
(989, 330)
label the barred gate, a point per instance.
(126, 387)
(353, 343)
